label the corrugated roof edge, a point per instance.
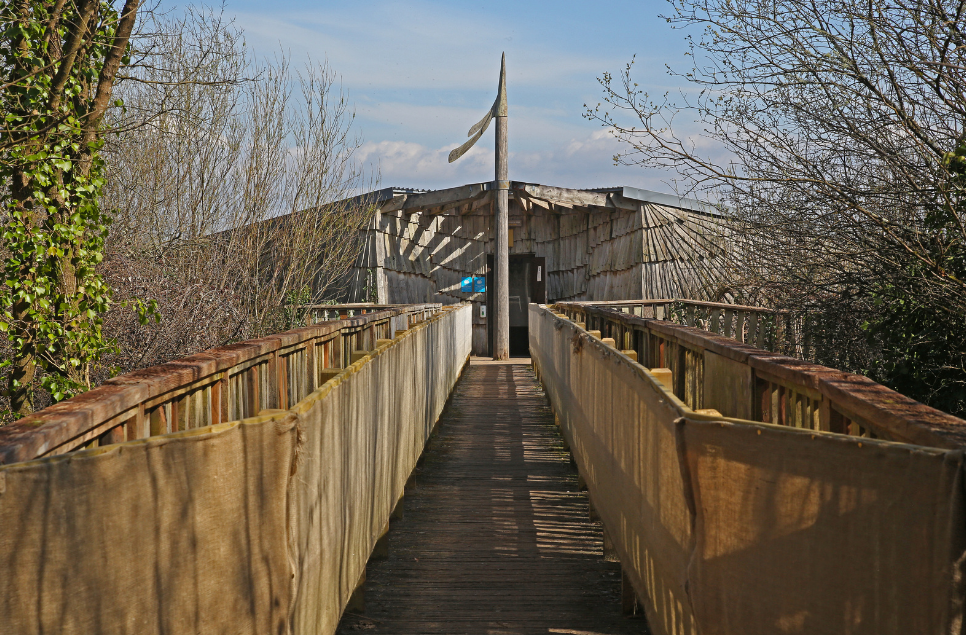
(632, 193)
(668, 200)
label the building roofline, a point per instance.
(417, 198)
(669, 200)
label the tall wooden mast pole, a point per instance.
(501, 332)
(500, 314)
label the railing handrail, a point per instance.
(709, 507)
(105, 413)
(701, 303)
(905, 419)
(351, 305)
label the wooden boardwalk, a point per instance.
(495, 538)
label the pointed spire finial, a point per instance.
(501, 95)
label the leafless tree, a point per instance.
(842, 126)
(230, 180)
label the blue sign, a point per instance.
(476, 284)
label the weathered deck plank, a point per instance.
(496, 537)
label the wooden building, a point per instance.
(565, 244)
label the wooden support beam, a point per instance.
(394, 204)
(483, 201)
(565, 195)
(501, 296)
(620, 202)
(544, 205)
(441, 197)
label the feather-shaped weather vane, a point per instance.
(500, 313)
(497, 110)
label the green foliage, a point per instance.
(922, 352)
(52, 298)
(59, 325)
(295, 313)
(370, 291)
(923, 347)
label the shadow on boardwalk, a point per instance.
(495, 536)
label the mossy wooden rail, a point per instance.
(717, 370)
(749, 492)
(253, 507)
(222, 384)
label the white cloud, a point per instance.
(410, 164)
(419, 45)
(420, 73)
(579, 162)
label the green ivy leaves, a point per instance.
(52, 298)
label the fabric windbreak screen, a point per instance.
(620, 428)
(806, 533)
(184, 533)
(363, 433)
(732, 527)
(257, 527)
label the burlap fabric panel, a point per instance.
(737, 528)
(185, 533)
(620, 427)
(813, 534)
(363, 433)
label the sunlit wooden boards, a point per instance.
(598, 245)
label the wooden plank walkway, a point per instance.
(495, 538)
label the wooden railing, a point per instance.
(324, 312)
(253, 524)
(768, 329)
(738, 379)
(222, 384)
(729, 499)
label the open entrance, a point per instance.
(528, 283)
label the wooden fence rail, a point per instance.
(745, 381)
(261, 523)
(733, 504)
(768, 329)
(323, 312)
(222, 384)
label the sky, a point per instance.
(420, 73)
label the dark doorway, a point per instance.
(528, 284)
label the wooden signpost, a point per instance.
(501, 312)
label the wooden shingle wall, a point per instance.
(420, 255)
(592, 253)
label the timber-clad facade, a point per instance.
(604, 244)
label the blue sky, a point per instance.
(421, 73)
